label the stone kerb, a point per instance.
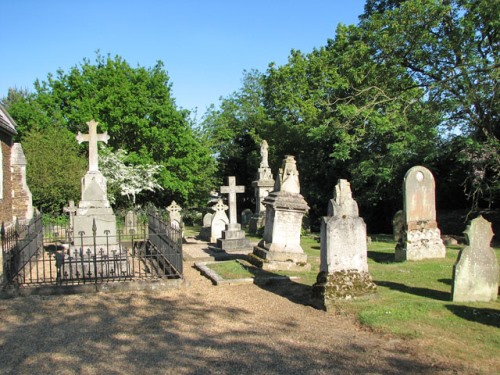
(421, 238)
(476, 271)
(280, 247)
(344, 252)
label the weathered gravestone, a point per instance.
(130, 222)
(174, 214)
(233, 237)
(71, 210)
(475, 273)
(206, 229)
(95, 240)
(421, 237)
(344, 252)
(263, 185)
(219, 221)
(246, 215)
(285, 207)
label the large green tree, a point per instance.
(451, 48)
(137, 109)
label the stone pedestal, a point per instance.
(280, 248)
(344, 252)
(262, 188)
(233, 239)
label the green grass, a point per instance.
(413, 300)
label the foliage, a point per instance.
(136, 108)
(125, 179)
(54, 167)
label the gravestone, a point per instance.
(233, 238)
(174, 213)
(285, 207)
(344, 252)
(263, 185)
(398, 225)
(95, 222)
(476, 272)
(71, 210)
(246, 215)
(421, 237)
(219, 221)
(206, 229)
(130, 222)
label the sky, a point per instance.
(205, 45)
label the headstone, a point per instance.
(206, 229)
(219, 221)
(174, 213)
(263, 185)
(95, 222)
(344, 252)
(398, 225)
(476, 271)
(71, 210)
(246, 215)
(233, 238)
(130, 222)
(421, 236)
(280, 248)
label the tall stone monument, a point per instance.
(263, 185)
(94, 212)
(344, 252)
(421, 237)
(285, 207)
(475, 273)
(233, 237)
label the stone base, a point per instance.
(80, 265)
(420, 244)
(340, 285)
(233, 240)
(279, 260)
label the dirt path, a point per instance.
(197, 329)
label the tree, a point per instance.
(54, 167)
(135, 106)
(451, 49)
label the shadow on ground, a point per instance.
(422, 292)
(490, 317)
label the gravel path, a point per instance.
(197, 329)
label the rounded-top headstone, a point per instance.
(420, 198)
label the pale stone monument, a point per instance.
(233, 237)
(71, 210)
(174, 213)
(94, 212)
(219, 221)
(285, 207)
(344, 252)
(476, 271)
(421, 237)
(263, 185)
(95, 250)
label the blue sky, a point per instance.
(204, 45)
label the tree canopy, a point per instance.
(135, 106)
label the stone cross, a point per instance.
(71, 209)
(232, 190)
(174, 208)
(92, 138)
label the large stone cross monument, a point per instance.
(233, 238)
(94, 213)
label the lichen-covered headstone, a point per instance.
(344, 253)
(280, 248)
(475, 273)
(421, 237)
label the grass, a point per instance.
(413, 300)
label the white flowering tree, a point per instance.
(126, 179)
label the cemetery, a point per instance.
(337, 214)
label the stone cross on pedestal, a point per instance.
(232, 190)
(71, 209)
(92, 138)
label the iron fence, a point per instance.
(36, 254)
